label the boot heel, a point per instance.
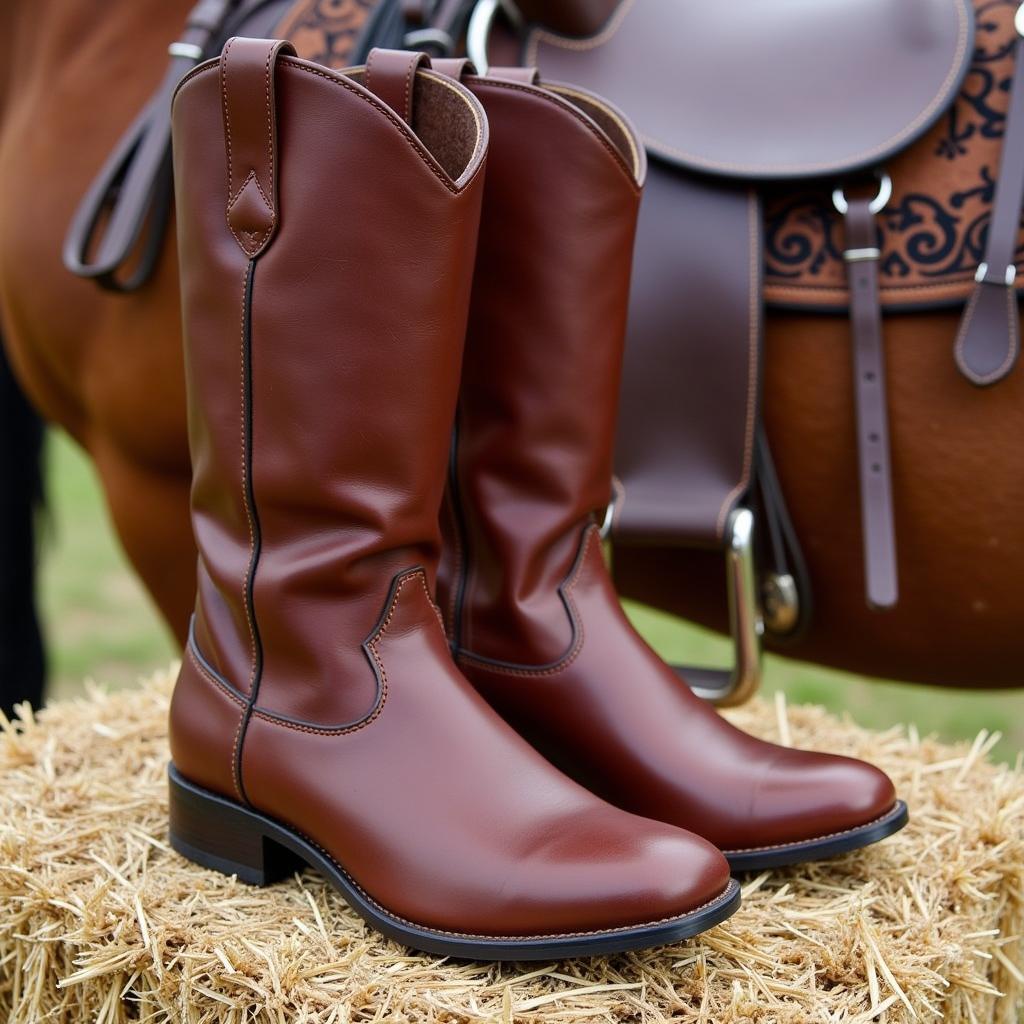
(219, 834)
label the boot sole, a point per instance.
(220, 834)
(819, 849)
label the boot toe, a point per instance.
(629, 872)
(808, 795)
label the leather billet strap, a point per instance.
(390, 75)
(524, 76)
(453, 67)
(988, 342)
(457, 67)
(131, 194)
(873, 448)
(689, 397)
(247, 73)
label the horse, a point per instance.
(104, 366)
(107, 368)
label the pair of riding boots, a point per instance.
(408, 666)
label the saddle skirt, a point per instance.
(800, 95)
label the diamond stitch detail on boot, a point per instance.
(250, 216)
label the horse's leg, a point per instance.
(22, 662)
(105, 367)
(149, 506)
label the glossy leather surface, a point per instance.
(691, 374)
(560, 207)
(550, 648)
(615, 717)
(451, 820)
(327, 429)
(823, 87)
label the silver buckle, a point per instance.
(731, 686)
(187, 50)
(877, 205)
(1009, 276)
(478, 30)
(424, 38)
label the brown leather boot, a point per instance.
(532, 614)
(326, 256)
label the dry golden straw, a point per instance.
(101, 921)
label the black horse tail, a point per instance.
(22, 658)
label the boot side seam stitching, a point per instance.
(236, 766)
(234, 698)
(568, 589)
(210, 678)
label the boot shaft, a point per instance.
(326, 250)
(532, 459)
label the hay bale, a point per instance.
(101, 921)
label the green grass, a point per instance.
(101, 624)
(99, 621)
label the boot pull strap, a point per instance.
(524, 76)
(250, 138)
(453, 67)
(389, 76)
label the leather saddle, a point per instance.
(791, 144)
(788, 143)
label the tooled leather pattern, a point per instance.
(933, 230)
(325, 31)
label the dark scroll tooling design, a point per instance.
(933, 232)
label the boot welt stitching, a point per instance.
(468, 935)
(812, 839)
(720, 898)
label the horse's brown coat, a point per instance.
(106, 367)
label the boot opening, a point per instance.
(614, 125)
(446, 119)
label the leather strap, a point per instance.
(524, 76)
(456, 67)
(247, 73)
(453, 67)
(131, 194)
(879, 537)
(690, 383)
(988, 342)
(390, 75)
